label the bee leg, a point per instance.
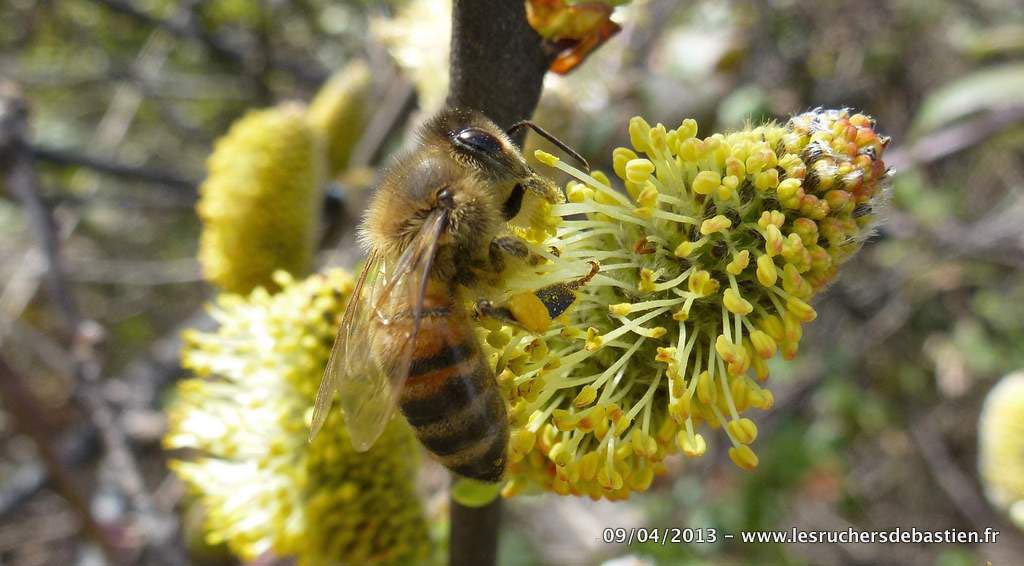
(487, 309)
(534, 311)
(506, 246)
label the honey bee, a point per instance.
(435, 226)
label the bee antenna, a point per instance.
(551, 138)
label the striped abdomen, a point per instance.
(450, 396)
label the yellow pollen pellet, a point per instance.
(530, 311)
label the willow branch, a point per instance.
(498, 61)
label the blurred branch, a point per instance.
(187, 27)
(138, 173)
(136, 388)
(82, 335)
(957, 485)
(954, 139)
(31, 418)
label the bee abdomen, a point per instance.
(454, 405)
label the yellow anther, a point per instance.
(706, 391)
(767, 180)
(647, 280)
(585, 397)
(639, 170)
(736, 304)
(801, 310)
(693, 446)
(738, 263)
(578, 192)
(546, 158)
(767, 274)
(773, 240)
(685, 248)
(743, 457)
(743, 430)
(717, 224)
(640, 134)
(522, 440)
(705, 182)
(594, 340)
(621, 156)
(702, 285)
(648, 197)
(763, 344)
(620, 309)
(687, 129)
(666, 355)
(773, 326)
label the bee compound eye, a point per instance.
(478, 141)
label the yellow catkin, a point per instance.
(339, 113)
(259, 204)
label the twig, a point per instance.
(32, 418)
(391, 113)
(474, 534)
(138, 173)
(955, 139)
(957, 485)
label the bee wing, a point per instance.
(354, 311)
(375, 344)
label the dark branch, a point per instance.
(145, 174)
(498, 61)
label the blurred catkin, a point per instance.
(339, 113)
(708, 262)
(259, 202)
(245, 415)
(1001, 446)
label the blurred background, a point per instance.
(875, 424)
